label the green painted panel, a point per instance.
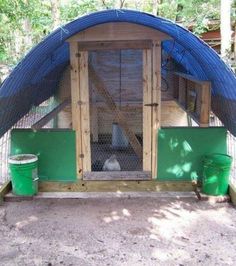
(55, 149)
(181, 150)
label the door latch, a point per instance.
(151, 104)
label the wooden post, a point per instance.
(205, 104)
(175, 86)
(182, 91)
(85, 117)
(147, 110)
(156, 98)
(75, 104)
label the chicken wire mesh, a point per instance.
(116, 111)
(231, 146)
(35, 114)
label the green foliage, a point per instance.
(38, 13)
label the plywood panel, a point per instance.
(171, 115)
(182, 150)
(55, 149)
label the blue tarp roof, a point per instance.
(36, 77)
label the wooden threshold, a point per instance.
(118, 175)
(115, 186)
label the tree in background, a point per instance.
(225, 29)
(24, 23)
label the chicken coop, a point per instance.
(129, 101)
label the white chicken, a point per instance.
(111, 164)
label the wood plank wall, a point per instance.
(107, 65)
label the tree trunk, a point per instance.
(27, 29)
(155, 5)
(225, 29)
(55, 10)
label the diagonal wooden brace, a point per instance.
(103, 91)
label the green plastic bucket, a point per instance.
(24, 174)
(216, 172)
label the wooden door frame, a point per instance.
(151, 99)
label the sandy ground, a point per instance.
(143, 231)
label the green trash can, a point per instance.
(24, 174)
(216, 171)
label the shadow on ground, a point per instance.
(143, 231)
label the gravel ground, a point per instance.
(143, 231)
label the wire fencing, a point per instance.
(27, 121)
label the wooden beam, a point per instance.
(4, 189)
(114, 45)
(156, 98)
(44, 120)
(118, 31)
(75, 105)
(232, 193)
(85, 117)
(115, 186)
(190, 77)
(121, 119)
(147, 110)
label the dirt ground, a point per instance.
(118, 231)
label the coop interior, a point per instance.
(121, 73)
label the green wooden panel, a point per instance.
(55, 149)
(181, 150)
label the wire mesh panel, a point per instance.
(116, 110)
(231, 145)
(27, 121)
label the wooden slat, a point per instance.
(118, 175)
(147, 111)
(121, 119)
(76, 107)
(85, 117)
(114, 45)
(156, 98)
(118, 31)
(44, 120)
